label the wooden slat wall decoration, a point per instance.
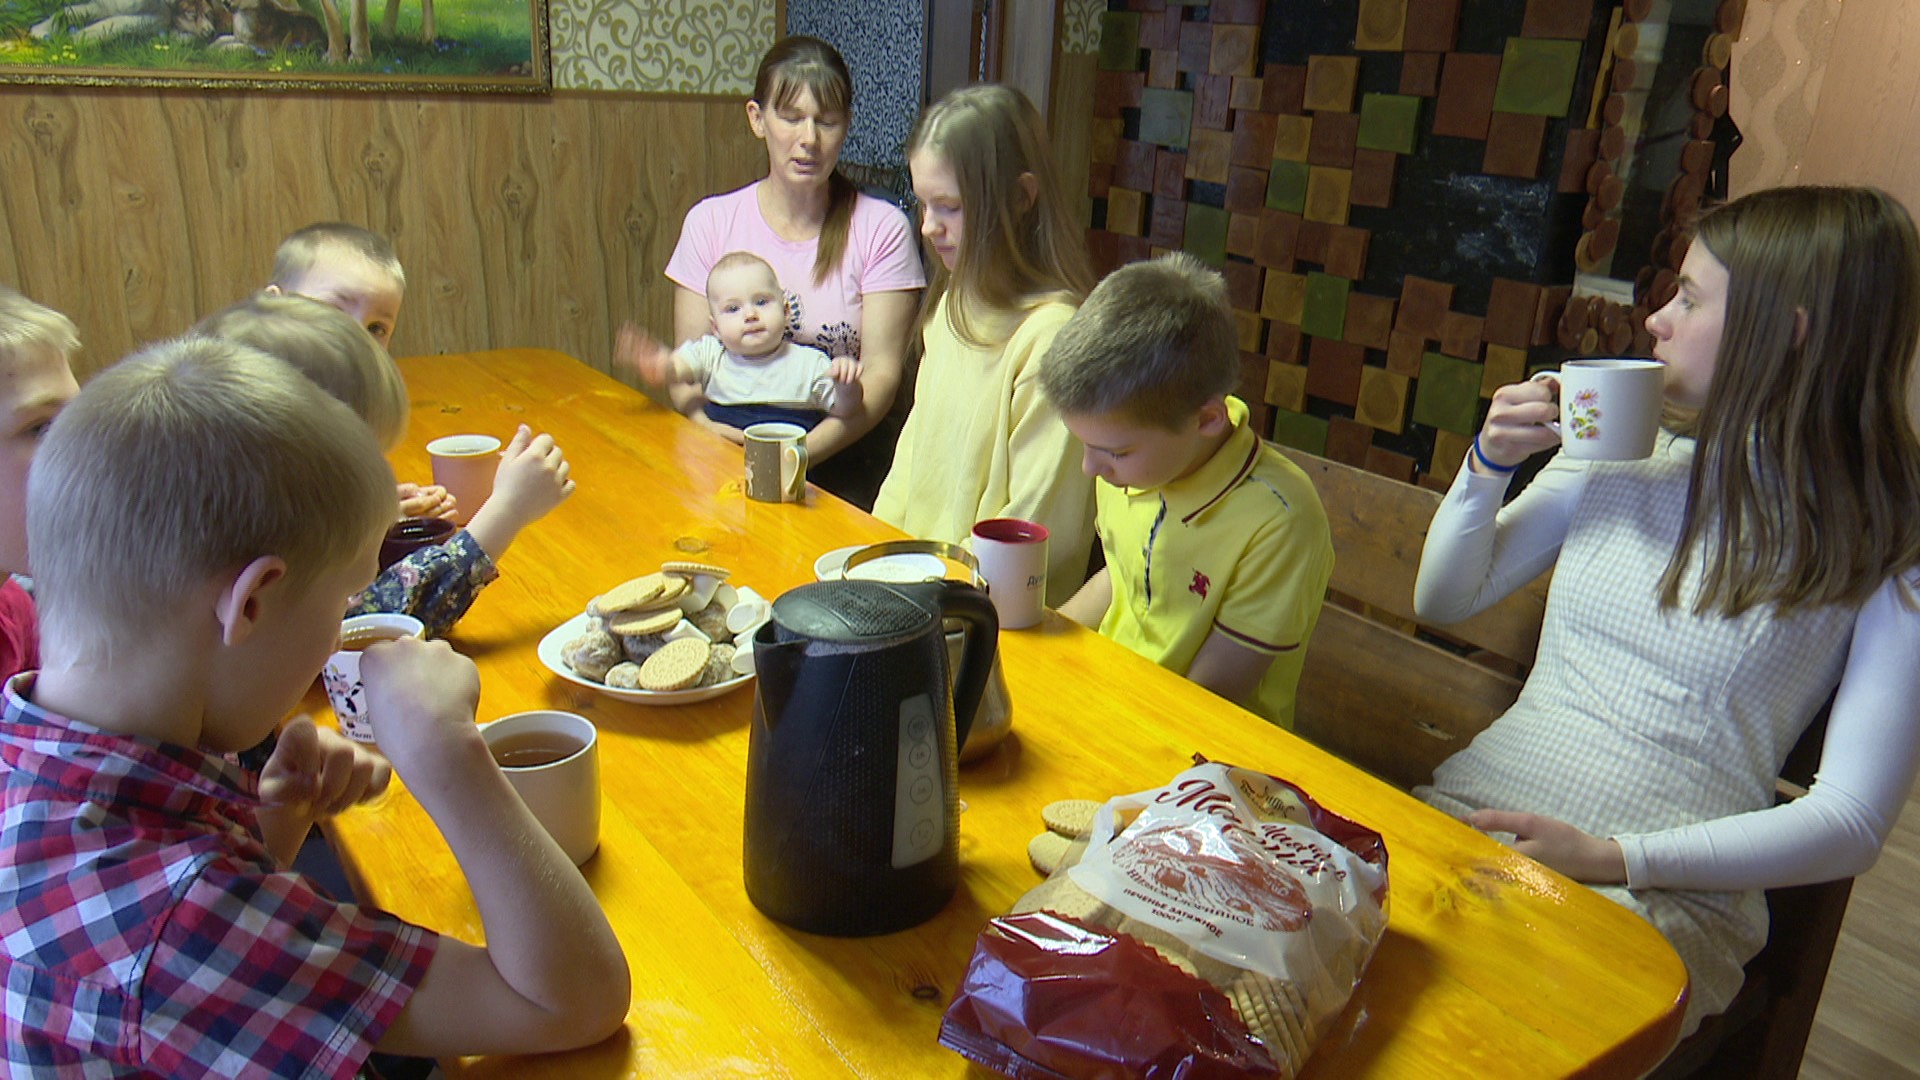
(537, 221)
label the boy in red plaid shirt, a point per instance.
(199, 516)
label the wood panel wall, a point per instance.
(1866, 129)
(520, 221)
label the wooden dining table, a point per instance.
(1491, 964)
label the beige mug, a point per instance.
(465, 465)
(1609, 408)
(341, 675)
(776, 462)
(552, 760)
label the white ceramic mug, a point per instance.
(776, 462)
(552, 759)
(1012, 555)
(464, 465)
(341, 675)
(1609, 408)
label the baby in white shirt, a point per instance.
(746, 369)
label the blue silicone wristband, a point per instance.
(1478, 453)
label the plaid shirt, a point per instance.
(145, 931)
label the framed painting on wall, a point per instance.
(486, 46)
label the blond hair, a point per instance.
(1155, 341)
(801, 63)
(25, 325)
(327, 346)
(306, 246)
(1807, 471)
(185, 461)
(1015, 252)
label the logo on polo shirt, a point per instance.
(1200, 585)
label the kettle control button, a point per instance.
(920, 729)
(919, 755)
(923, 833)
(921, 791)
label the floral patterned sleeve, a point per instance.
(435, 584)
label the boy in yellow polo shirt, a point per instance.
(1217, 547)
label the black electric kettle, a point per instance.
(853, 815)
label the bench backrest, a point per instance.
(1377, 689)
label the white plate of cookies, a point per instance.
(673, 637)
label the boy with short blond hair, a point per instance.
(1218, 550)
(199, 515)
(347, 267)
(37, 344)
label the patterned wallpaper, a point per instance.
(882, 45)
(1777, 71)
(1080, 26)
(659, 46)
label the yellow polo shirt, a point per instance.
(1241, 544)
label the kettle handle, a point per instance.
(970, 606)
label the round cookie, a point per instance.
(644, 623)
(691, 568)
(1046, 850)
(1071, 818)
(628, 595)
(678, 665)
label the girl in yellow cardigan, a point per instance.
(982, 441)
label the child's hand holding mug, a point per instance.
(430, 501)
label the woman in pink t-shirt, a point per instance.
(849, 262)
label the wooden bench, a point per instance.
(1396, 699)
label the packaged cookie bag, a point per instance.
(1213, 927)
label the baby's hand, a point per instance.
(420, 696)
(317, 772)
(642, 354)
(432, 501)
(844, 370)
(848, 394)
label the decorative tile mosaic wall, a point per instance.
(1397, 194)
(659, 46)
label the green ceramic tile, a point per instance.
(1388, 122)
(1287, 186)
(1448, 393)
(1325, 314)
(1165, 116)
(1536, 76)
(1120, 41)
(1300, 431)
(1206, 238)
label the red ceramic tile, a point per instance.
(1243, 232)
(1553, 301)
(1369, 320)
(1099, 180)
(1557, 19)
(1251, 12)
(1583, 149)
(1169, 223)
(1373, 178)
(1243, 285)
(1161, 31)
(1423, 306)
(1135, 165)
(1389, 464)
(1510, 313)
(1514, 143)
(1278, 238)
(1134, 249)
(1465, 105)
(1116, 90)
(1311, 245)
(1333, 138)
(1283, 88)
(1404, 353)
(1460, 335)
(1170, 174)
(1196, 46)
(1333, 370)
(1207, 157)
(1348, 440)
(1246, 190)
(1432, 26)
(1347, 254)
(1103, 249)
(1420, 74)
(1163, 69)
(1211, 94)
(1253, 138)
(1284, 342)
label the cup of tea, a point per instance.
(411, 534)
(464, 465)
(552, 759)
(1012, 556)
(776, 462)
(1609, 408)
(341, 675)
